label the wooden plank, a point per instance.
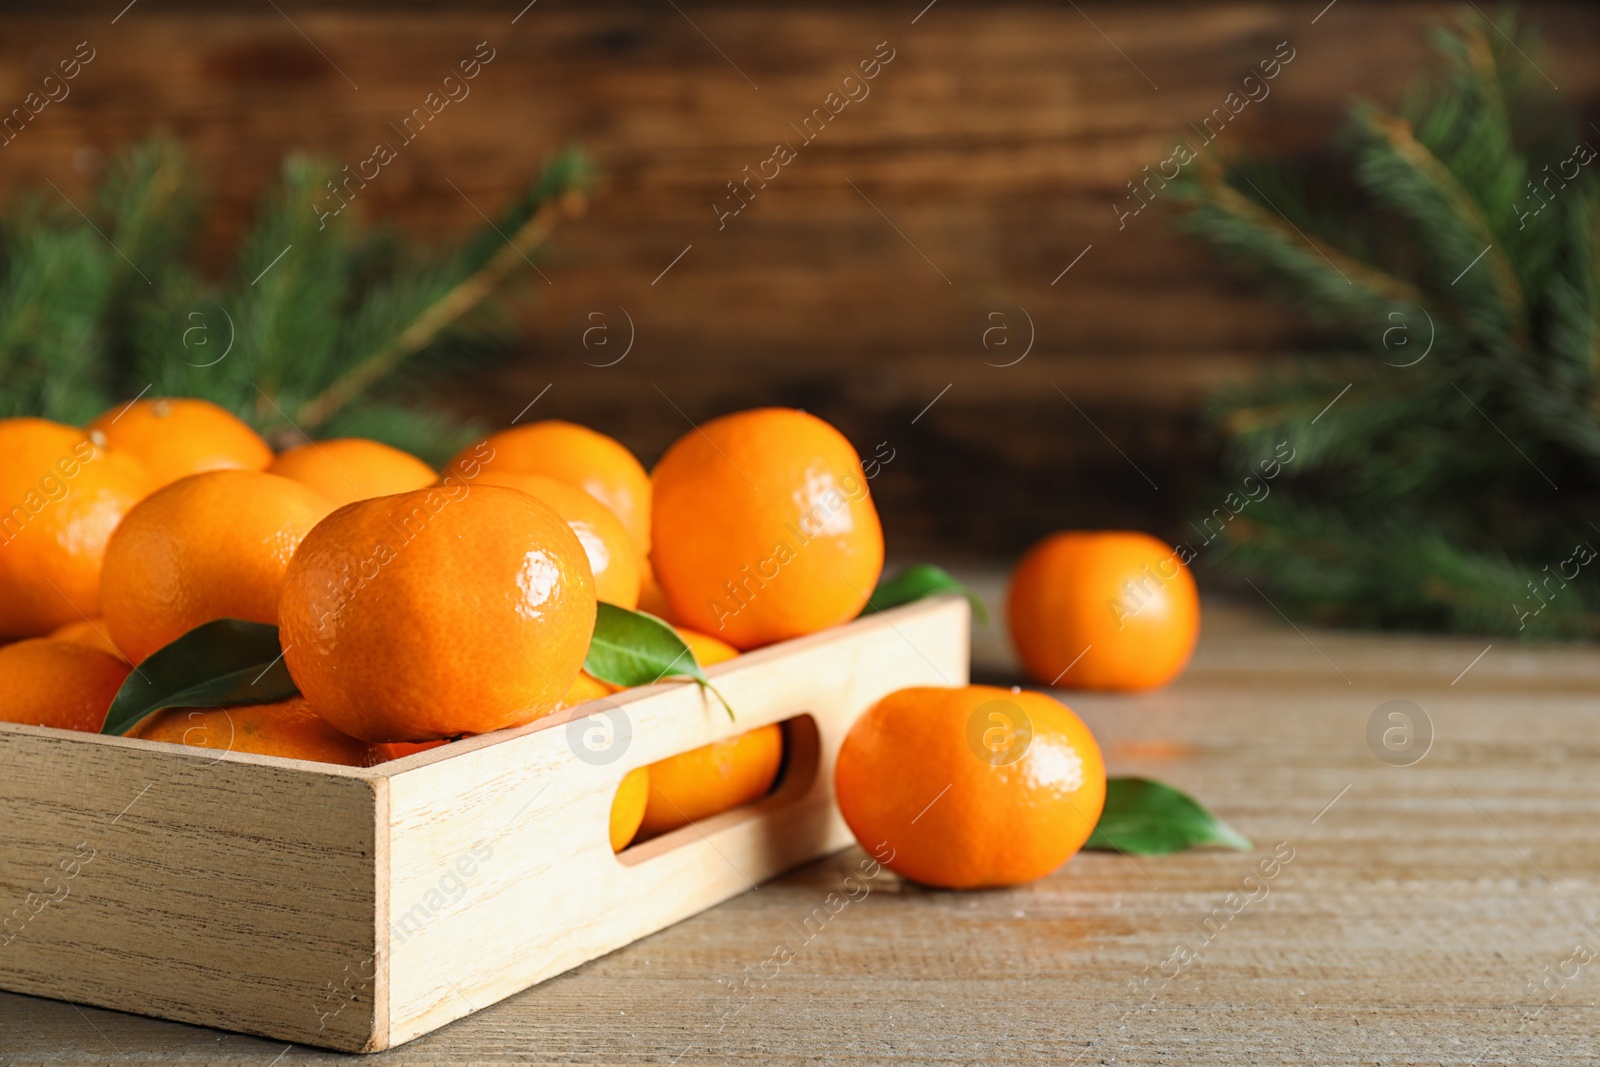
(501, 871)
(997, 140)
(244, 854)
(1413, 924)
(211, 888)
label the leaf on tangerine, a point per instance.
(220, 664)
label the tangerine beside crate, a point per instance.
(358, 908)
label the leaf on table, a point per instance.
(220, 664)
(632, 648)
(1149, 818)
(918, 582)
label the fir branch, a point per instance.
(1399, 170)
(422, 331)
(1425, 496)
(149, 201)
(1337, 285)
(318, 314)
(55, 292)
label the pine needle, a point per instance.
(308, 335)
(1463, 300)
(467, 294)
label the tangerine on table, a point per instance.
(763, 527)
(1110, 610)
(970, 786)
(437, 612)
(206, 547)
(59, 684)
(287, 728)
(611, 553)
(90, 633)
(174, 437)
(62, 495)
(348, 469)
(577, 455)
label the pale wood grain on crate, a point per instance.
(330, 905)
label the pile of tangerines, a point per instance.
(416, 606)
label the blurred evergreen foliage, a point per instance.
(339, 336)
(1454, 490)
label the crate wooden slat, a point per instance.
(217, 892)
(359, 908)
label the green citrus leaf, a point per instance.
(918, 582)
(632, 648)
(1149, 818)
(219, 664)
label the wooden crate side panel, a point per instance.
(203, 889)
(499, 854)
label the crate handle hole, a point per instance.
(798, 759)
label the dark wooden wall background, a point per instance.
(996, 141)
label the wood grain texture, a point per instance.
(546, 893)
(469, 872)
(1414, 923)
(860, 283)
(231, 892)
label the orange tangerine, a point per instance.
(90, 633)
(288, 728)
(348, 469)
(55, 683)
(577, 455)
(174, 437)
(707, 649)
(1112, 610)
(627, 809)
(652, 598)
(61, 496)
(714, 778)
(206, 547)
(586, 687)
(970, 786)
(764, 528)
(612, 557)
(437, 613)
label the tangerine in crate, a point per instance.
(438, 612)
(65, 495)
(174, 437)
(58, 683)
(576, 455)
(612, 556)
(347, 469)
(208, 546)
(763, 528)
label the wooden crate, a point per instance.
(358, 908)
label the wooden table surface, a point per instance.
(1446, 912)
